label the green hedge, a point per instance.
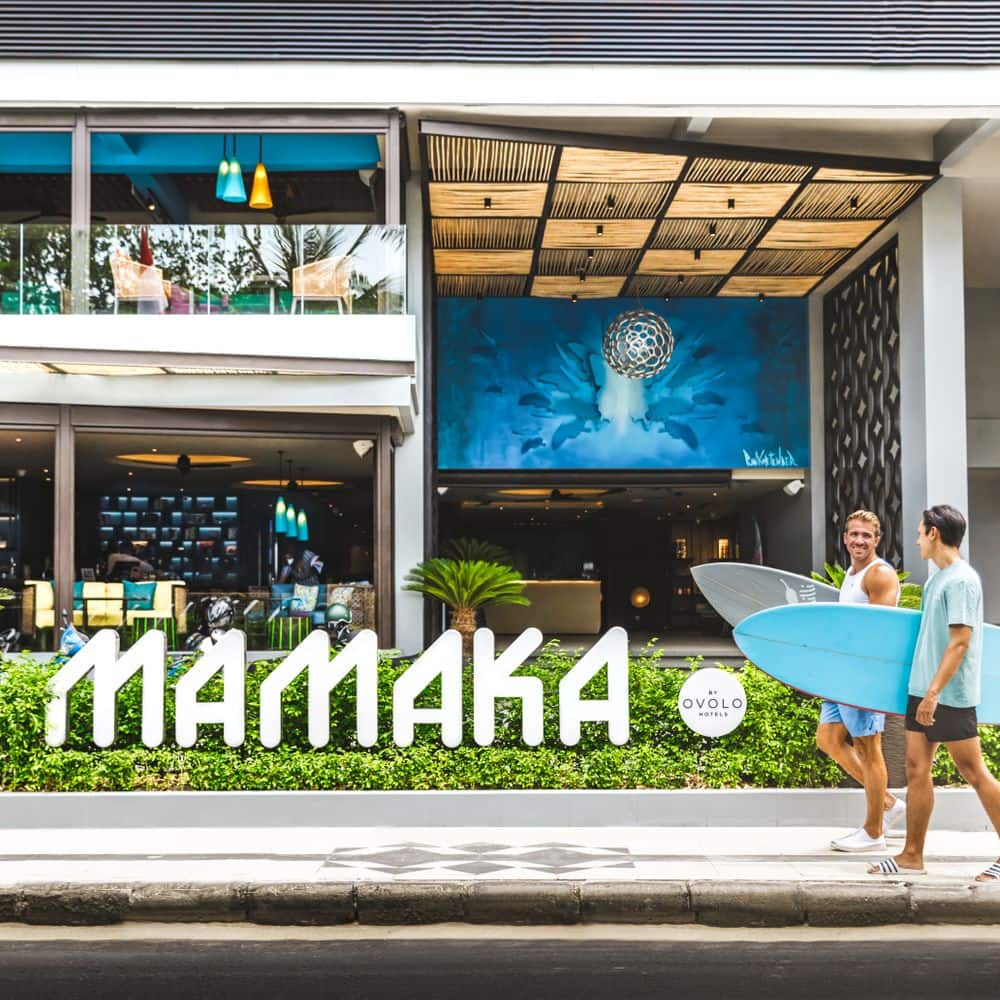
(773, 747)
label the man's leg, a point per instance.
(968, 758)
(919, 798)
(831, 738)
(875, 780)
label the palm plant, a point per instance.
(471, 549)
(465, 586)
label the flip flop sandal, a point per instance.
(991, 874)
(889, 867)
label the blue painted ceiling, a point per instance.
(185, 153)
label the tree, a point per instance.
(464, 586)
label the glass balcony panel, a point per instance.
(273, 270)
(248, 269)
(35, 269)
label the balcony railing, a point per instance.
(203, 270)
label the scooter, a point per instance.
(216, 616)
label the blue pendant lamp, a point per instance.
(279, 516)
(303, 527)
(234, 190)
(222, 173)
(291, 521)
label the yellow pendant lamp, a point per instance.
(260, 194)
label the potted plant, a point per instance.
(466, 585)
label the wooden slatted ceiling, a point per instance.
(608, 201)
(677, 286)
(516, 217)
(586, 233)
(559, 287)
(601, 165)
(482, 261)
(589, 261)
(460, 159)
(487, 200)
(745, 284)
(483, 234)
(707, 201)
(689, 262)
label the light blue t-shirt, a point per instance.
(952, 596)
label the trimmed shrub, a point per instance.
(773, 747)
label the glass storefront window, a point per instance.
(28, 616)
(169, 524)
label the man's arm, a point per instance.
(951, 660)
(881, 585)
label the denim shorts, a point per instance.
(857, 721)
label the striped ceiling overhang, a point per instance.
(521, 212)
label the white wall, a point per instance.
(932, 359)
(408, 472)
(982, 324)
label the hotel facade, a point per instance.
(290, 303)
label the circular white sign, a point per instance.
(712, 702)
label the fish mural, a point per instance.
(523, 384)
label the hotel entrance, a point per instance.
(594, 557)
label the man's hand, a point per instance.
(926, 709)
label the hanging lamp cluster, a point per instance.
(292, 523)
(229, 186)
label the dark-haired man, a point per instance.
(944, 688)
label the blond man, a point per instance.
(868, 580)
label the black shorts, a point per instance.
(950, 724)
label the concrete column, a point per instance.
(932, 359)
(408, 502)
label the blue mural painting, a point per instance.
(524, 384)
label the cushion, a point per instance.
(45, 598)
(305, 599)
(139, 596)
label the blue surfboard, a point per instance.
(855, 654)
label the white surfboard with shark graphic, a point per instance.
(738, 590)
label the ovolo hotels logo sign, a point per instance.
(492, 678)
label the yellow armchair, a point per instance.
(167, 612)
(38, 603)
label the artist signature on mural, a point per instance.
(779, 458)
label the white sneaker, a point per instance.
(858, 841)
(893, 815)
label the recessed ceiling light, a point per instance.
(160, 459)
(303, 483)
(18, 440)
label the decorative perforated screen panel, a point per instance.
(861, 402)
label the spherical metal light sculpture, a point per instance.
(638, 344)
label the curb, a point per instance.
(716, 904)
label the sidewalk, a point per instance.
(731, 876)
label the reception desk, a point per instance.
(558, 607)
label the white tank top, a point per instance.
(850, 589)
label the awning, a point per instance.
(518, 212)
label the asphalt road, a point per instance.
(498, 970)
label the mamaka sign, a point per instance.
(492, 678)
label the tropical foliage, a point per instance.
(910, 595)
(774, 746)
(474, 549)
(465, 586)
